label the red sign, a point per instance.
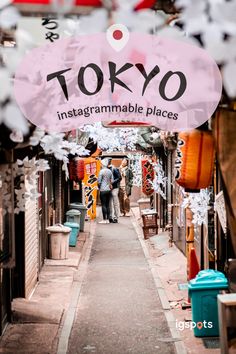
(147, 176)
(144, 4)
(125, 124)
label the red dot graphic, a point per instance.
(117, 34)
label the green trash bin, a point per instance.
(203, 291)
(83, 209)
(74, 232)
(73, 215)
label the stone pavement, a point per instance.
(37, 321)
(119, 310)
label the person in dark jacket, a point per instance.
(126, 184)
(114, 198)
(105, 180)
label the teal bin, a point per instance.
(74, 232)
(203, 291)
(83, 209)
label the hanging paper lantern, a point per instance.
(76, 170)
(194, 159)
(147, 176)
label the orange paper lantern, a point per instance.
(194, 159)
(147, 176)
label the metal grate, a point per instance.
(211, 343)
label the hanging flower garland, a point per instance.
(159, 182)
(135, 165)
(199, 205)
(56, 145)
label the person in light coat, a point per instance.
(126, 185)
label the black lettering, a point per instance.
(49, 23)
(51, 36)
(140, 109)
(99, 74)
(74, 111)
(148, 77)
(164, 114)
(182, 86)
(63, 115)
(175, 116)
(106, 109)
(116, 108)
(113, 75)
(61, 79)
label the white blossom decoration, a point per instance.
(199, 205)
(56, 145)
(135, 164)
(112, 139)
(22, 171)
(159, 182)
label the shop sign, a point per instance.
(220, 209)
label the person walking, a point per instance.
(126, 184)
(114, 199)
(105, 180)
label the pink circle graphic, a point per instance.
(81, 80)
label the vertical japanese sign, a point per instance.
(92, 168)
(147, 176)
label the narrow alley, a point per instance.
(117, 177)
(119, 310)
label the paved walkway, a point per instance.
(119, 310)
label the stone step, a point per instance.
(29, 311)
